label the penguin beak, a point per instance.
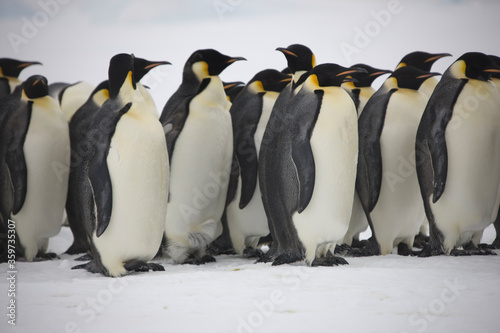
(380, 72)
(352, 71)
(233, 59)
(27, 64)
(282, 49)
(428, 75)
(349, 79)
(232, 84)
(288, 79)
(437, 56)
(157, 63)
(492, 70)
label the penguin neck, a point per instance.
(390, 83)
(100, 97)
(457, 70)
(213, 93)
(297, 75)
(256, 87)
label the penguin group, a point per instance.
(291, 166)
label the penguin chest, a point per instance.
(334, 144)
(473, 178)
(399, 211)
(268, 101)
(201, 162)
(46, 152)
(138, 166)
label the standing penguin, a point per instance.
(423, 61)
(9, 73)
(316, 167)
(250, 113)
(300, 60)
(38, 143)
(129, 175)
(457, 156)
(361, 88)
(388, 191)
(200, 145)
(73, 96)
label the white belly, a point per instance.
(399, 212)
(471, 197)
(334, 144)
(74, 97)
(46, 151)
(200, 168)
(138, 166)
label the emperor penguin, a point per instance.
(73, 96)
(79, 202)
(232, 89)
(250, 113)
(129, 178)
(316, 163)
(200, 145)
(423, 61)
(37, 164)
(9, 74)
(361, 88)
(457, 155)
(386, 182)
(300, 60)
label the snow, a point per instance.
(377, 294)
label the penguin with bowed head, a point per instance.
(129, 178)
(250, 112)
(388, 192)
(457, 156)
(200, 145)
(316, 162)
(300, 60)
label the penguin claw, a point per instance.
(193, 260)
(252, 253)
(404, 250)
(329, 260)
(430, 250)
(371, 248)
(343, 249)
(288, 257)
(156, 267)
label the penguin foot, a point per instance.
(460, 253)
(141, 266)
(193, 260)
(217, 248)
(484, 246)
(45, 256)
(329, 260)
(287, 257)
(343, 249)
(91, 267)
(404, 250)
(370, 249)
(359, 244)
(478, 250)
(85, 257)
(252, 253)
(430, 250)
(266, 257)
(420, 241)
(156, 267)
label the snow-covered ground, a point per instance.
(376, 294)
(75, 40)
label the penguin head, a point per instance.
(208, 62)
(411, 77)
(12, 67)
(496, 61)
(365, 79)
(299, 57)
(121, 69)
(143, 66)
(36, 86)
(232, 89)
(421, 60)
(271, 80)
(328, 75)
(476, 65)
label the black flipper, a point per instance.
(370, 125)
(16, 163)
(245, 113)
(302, 154)
(98, 171)
(175, 120)
(4, 87)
